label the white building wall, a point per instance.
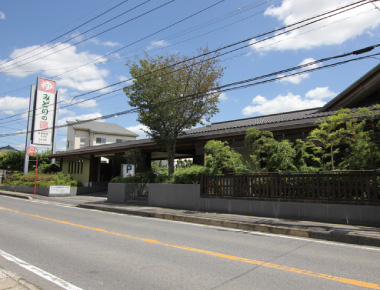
(74, 137)
(80, 134)
(110, 138)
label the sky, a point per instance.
(84, 46)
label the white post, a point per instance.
(29, 126)
(54, 145)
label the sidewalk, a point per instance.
(360, 235)
(10, 281)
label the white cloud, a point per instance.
(331, 31)
(297, 79)
(55, 62)
(2, 15)
(139, 129)
(320, 93)
(9, 104)
(290, 102)
(80, 117)
(157, 43)
(104, 43)
(86, 104)
(223, 97)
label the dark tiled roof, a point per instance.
(297, 119)
(261, 121)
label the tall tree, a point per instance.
(172, 94)
(325, 140)
(221, 158)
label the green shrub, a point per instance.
(43, 180)
(49, 168)
(189, 175)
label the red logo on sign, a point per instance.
(44, 125)
(31, 151)
(46, 85)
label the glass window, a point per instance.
(100, 140)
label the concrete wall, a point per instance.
(187, 196)
(182, 196)
(122, 192)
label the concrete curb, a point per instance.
(335, 235)
(15, 194)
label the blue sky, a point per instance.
(85, 44)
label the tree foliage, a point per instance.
(14, 160)
(344, 135)
(172, 94)
(222, 159)
(341, 141)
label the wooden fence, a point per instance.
(333, 186)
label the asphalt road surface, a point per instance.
(60, 247)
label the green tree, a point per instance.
(261, 141)
(222, 159)
(13, 160)
(325, 140)
(281, 156)
(362, 152)
(346, 130)
(270, 154)
(302, 156)
(172, 94)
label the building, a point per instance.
(80, 135)
(7, 148)
(85, 163)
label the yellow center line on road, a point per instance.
(215, 254)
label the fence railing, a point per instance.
(336, 186)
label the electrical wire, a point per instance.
(91, 37)
(326, 15)
(228, 87)
(68, 32)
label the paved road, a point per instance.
(87, 249)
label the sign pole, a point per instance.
(35, 176)
(31, 152)
(29, 128)
(54, 145)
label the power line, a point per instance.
(233, 44)
(107, 30)
(228, 87)
(314, 18)
(113, 52)
(75, 28)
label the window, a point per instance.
(119, 140)
(101, 140)
(76, 167)
(82, 142)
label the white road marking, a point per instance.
(50, 277)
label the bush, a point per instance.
(43, 180)
(140, 177)
(49, 168)
(189, 175)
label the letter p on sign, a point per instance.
(128, 170)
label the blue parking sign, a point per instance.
(127, 170)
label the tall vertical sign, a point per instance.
(44, 112)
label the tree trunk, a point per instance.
(170, 150)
